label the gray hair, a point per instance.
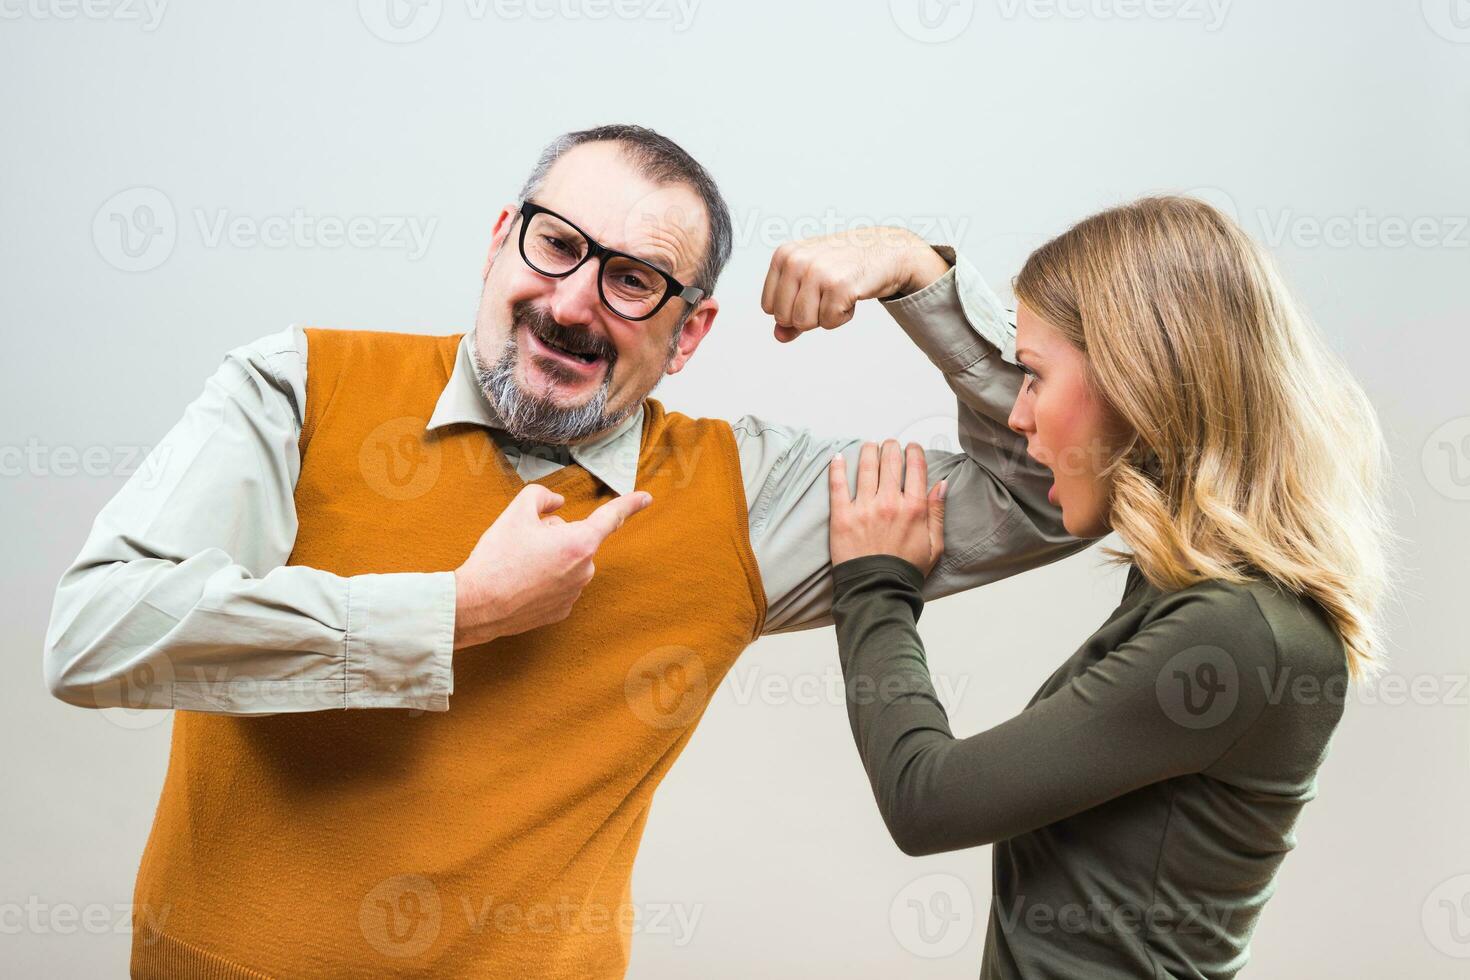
(662, 161)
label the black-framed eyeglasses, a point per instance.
(627, 285)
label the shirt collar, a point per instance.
(612, 458)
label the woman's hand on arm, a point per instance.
(893, 511)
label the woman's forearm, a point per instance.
(900, 727)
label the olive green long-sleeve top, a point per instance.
(1142, 802)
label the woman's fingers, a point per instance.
(867, 484)
(916, 474)
(837, 483)
(890, 481)
(936, 518)
(891, 470)
(892, 513)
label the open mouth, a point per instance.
(583, 361)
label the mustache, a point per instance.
(577, 339)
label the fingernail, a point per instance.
(943, 489)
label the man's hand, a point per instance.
(530, 566)
(893, 512)
(816, 282)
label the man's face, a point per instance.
(527, 321)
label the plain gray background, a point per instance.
(248, 140)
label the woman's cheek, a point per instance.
(1059, 431)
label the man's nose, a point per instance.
(574, 299)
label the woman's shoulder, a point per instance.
(1260, 621)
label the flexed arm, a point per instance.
(1000, 521)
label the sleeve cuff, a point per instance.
(400, 641)
(956, 319)
(847, 574)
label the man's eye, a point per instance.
(557, 244)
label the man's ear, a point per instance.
(696, 326)
(498, 235)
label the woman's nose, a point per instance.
(1020, 417)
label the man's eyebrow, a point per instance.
(656, 263)
(642, 256)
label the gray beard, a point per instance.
(530, 417)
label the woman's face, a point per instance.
(1069, 429)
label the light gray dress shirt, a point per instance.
(179, 597)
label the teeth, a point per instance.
(585, 358)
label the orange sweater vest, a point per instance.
(495, 839)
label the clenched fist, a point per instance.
(529, 567)
(816, 282)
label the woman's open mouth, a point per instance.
(583, 362)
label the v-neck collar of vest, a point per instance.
(613, 459)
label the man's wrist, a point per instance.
(923, 266)
(472, 623)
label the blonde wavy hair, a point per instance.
(1253, 450)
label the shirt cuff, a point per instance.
(956, 320)
(400, 640)
(865, 568)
